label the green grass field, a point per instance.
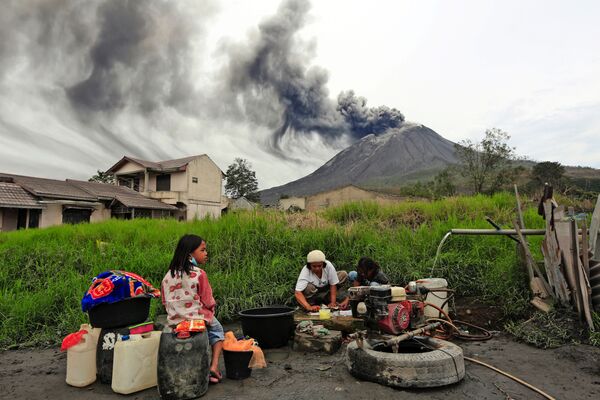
(255, 257)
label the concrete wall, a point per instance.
(344, 195)
(51, 215)
(199, 211)
(100, 214)
(285, 204)
(130, 167)
(208, 187)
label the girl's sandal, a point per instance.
(213, 377)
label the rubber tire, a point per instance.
(412, 370)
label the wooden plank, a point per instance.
(582, 281)
(585, 257)
(541, 304)
(595, 232)
(552, 258)
(563, 235)
(538, 284)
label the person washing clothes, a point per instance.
(368, 273)
(187, 295)
(319, 283)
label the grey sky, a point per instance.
(81, 85)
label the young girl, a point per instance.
(187, 295)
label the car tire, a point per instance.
(442, 366)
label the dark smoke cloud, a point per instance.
(364, 120)
(141, 58)
(273, 69)
(111, 60)
(110, 72)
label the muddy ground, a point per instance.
(569, 372)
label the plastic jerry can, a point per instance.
(134, 363)
(105, 352)
(81, 359)
(437, 295)
(183, 365)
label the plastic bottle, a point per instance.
(183, 365)
(135, 362)
(81, 359)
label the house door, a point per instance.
(22, 218)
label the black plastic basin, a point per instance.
(130, 311)
(271, 326)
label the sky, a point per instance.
(288, 84)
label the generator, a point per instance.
(386, 309)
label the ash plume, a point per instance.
(115, 77)
(140, 58)
(273, 69)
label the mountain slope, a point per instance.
(397, 153)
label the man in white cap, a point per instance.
(318, 283)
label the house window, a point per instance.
(194, 179)
(76, 215)
(163, 183)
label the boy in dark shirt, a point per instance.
(368, 273)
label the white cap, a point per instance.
(315, 256)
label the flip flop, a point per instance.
(213, 377)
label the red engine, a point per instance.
(380, 312)
(401, 316)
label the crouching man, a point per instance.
(319, 283)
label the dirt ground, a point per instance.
(569, 372)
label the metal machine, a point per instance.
(386, 309)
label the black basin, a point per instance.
(271, 326)
(130, 311)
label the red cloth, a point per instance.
(72, 339)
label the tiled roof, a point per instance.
(43, 187)
(139, 201)
(125, 195)
(178, 163)
(13, 195)
(165, 165)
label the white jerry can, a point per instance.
(135, 362)
(81, 359)
(437, 295)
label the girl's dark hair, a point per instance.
(181, 258)
(365, 265)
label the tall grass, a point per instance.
(255, 257)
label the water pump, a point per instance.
(384, 312)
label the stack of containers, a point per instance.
(125, 347)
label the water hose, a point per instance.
(486, 335)
(514, 378)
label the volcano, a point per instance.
(399, 155)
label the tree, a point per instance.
(241, 180)
(487, 165)
(443, 185)
(548, 172)
(103, 177)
